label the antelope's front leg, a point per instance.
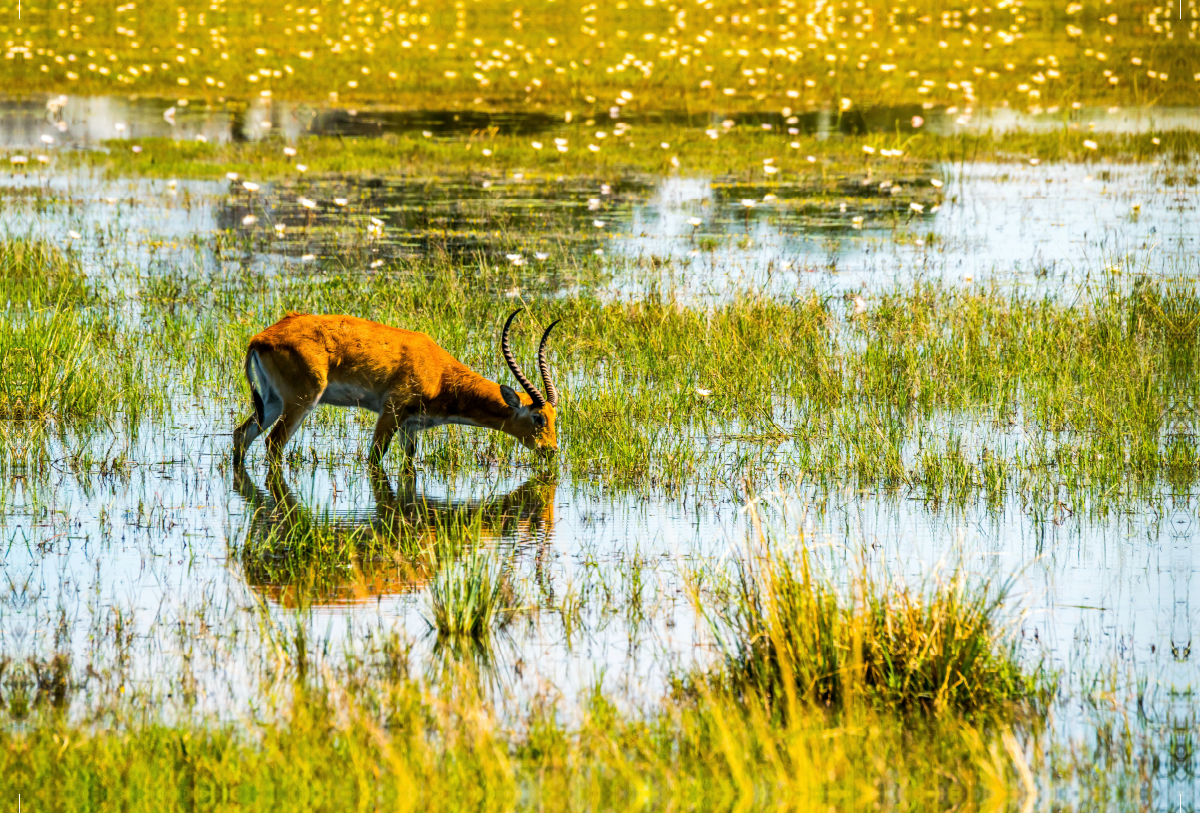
(393, 418)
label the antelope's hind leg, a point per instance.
(292, 416)
(250, 429)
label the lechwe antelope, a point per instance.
(305, 360)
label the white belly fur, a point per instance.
(348, 395)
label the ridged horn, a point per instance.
(544, 367)
(511, 360)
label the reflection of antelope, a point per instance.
(524, 516)
(305, 360)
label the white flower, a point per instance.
(541, 255)
(47, 139)
(695, 221)
(280, 228)
(308, 258)
(515, 259)
(233, 176)
(598, 224)
(340, 201)
(748, 202)
(936, 182)
(593, 204)
(250, 187)
(308, 203)
(537, 145)
(916, 207)
(74, 235)
(376, 263)
(487, 152)
(301, 167)
(703, 393)
(249, 220)
(290, 152)
(860, 305)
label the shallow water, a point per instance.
(139, 570)
(1045, 227)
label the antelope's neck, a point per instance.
(468, 396)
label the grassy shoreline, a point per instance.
(737, 155)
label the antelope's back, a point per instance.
(347, 349)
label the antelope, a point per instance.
(412, 384)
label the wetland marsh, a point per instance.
(877, 481)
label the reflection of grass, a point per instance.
(721, 55)
(35, 272)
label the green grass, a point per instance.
(1092, 394)
(468, 597)
(794, 636)
(396, 745)
(736, 156)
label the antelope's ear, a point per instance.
(509, 396)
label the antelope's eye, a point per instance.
(539, 420)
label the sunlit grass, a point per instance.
(742, 153)
(1091, 393)
(642, 55)
(793, 635)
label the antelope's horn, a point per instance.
(511, 360)
(551, 391)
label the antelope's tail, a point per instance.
(251, 367)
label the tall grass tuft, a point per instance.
(791, 635)
(470, 596)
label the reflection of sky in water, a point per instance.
(1044, 226)
(1095, 589)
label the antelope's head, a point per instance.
(532, 421)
